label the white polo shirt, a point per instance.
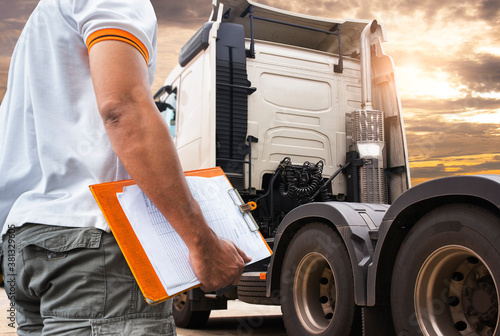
(52, 140)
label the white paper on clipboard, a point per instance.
(164, 247)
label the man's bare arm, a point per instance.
(142, 141)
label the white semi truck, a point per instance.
(303, 115)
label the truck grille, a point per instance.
(368, 130)
(368, 126)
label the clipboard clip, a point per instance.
(245, 209)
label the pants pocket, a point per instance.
(138, 326)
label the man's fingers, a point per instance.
(237, 279)
(246, 259)
(226, 269)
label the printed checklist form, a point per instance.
(162, 246)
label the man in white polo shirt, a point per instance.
(78, 111)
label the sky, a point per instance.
(447, 57)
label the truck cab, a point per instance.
(256, 85)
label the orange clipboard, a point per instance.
(137, 259)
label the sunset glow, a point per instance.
(415, 82)
(477, 117)
(490, 50)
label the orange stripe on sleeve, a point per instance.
(117, 35)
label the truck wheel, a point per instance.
(183, 315)
(447, 273)
(317, 295)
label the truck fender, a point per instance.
(353, 222)
(481, 190)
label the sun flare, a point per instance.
(416, 82)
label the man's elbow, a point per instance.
(127, 115)
(113, 112)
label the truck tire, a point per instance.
(183, 315)
(447, 274)
(252, 289)
(317, 295)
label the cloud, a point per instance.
(321, 8)
(451, 10)
(4, 69)
(442, 170)
(448, 106)
(170, 41)
(388, 9)
(429, 172)
(490, 10)
(479, 72)
(18, 10)
(9, 33)
(8, 39)
(434, 138)
(189, 13)
(13, 16)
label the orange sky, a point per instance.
(447, 56)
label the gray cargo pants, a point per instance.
(75, 281)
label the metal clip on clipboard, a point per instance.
(245, 208)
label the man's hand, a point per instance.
(218, 264)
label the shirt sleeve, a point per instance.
(118, 35)
(131, 21)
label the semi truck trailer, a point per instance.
(303, 115)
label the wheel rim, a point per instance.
(314, 293)
(179, 301)
(455, 294)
